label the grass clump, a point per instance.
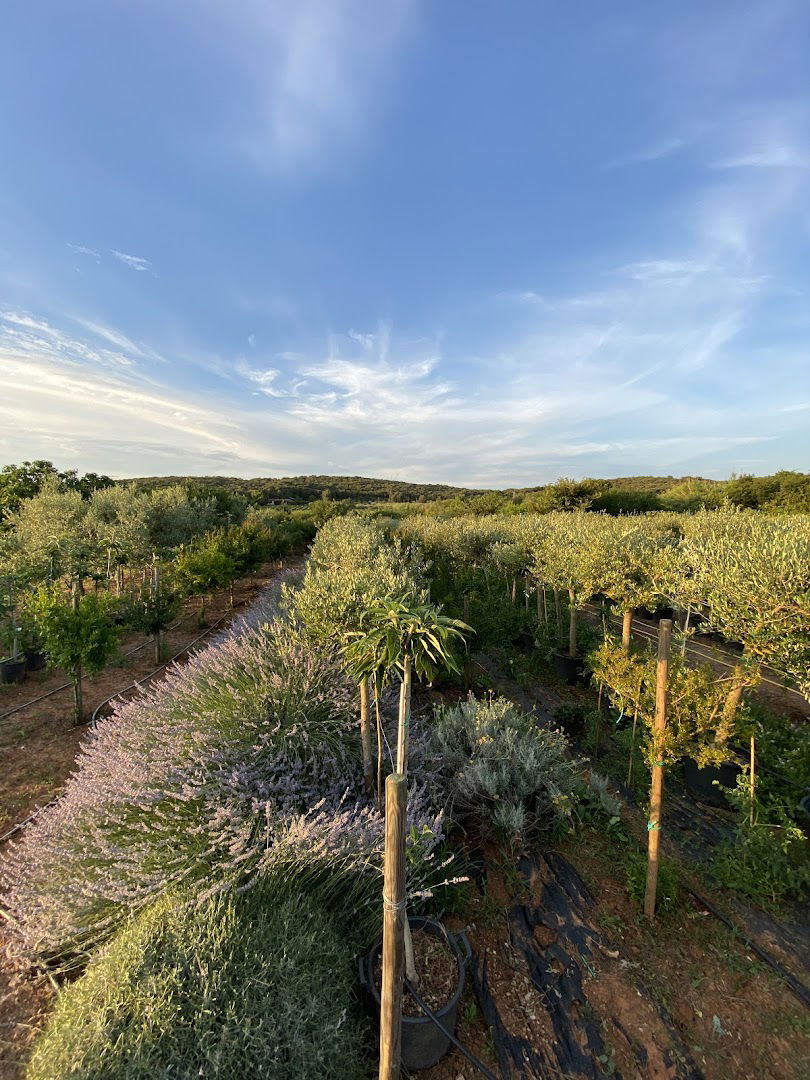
(254, 985)
(505, 776)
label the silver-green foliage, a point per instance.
(506, 776)
(353, 567)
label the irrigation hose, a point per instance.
(468, 1054)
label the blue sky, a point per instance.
(480, 243)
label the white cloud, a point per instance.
(318, 69)
(80, 249)
(134, 262)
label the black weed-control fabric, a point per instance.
(556, 971)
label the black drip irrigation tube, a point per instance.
(468, 1054)
(790, 980)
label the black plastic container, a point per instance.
(571, 669)
(35, 659)
(423, 1044)
(701, 780)
(12, 671)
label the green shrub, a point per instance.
(668, 894)
(505, 775)
(253, 985)
(768, 859)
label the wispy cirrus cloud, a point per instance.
(134, 262)
(318, 71)
(81, 249)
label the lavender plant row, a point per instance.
(240, 763)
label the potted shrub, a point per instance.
(423, 1043)
(12, 667)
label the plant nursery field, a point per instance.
(596, 728)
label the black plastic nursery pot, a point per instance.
(571, 669)
(701, 780)
(34, 660)
(657, 615)
(12, 671)
(423, 1044)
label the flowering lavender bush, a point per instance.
(238, 765)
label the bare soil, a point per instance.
(437, 969)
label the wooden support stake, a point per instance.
(657, 785)
(393, 914)
(572, 624)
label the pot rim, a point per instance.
(438, 929)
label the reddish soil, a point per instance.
(733, 1016)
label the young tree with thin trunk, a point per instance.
(76, 634)
(400, 638)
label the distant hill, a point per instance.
(782, 492)
(304, 489)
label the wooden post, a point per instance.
(539, 603)
(657, 785)
(627, 629)
(393, 914)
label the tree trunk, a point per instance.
(733, 699)
(657, 784)
(379, 748)
(514, 590)
(78, 697)
(558, 613)
(752, 779)
(686, 629)
(404, 717)
(572, 624)
(231, 594)
(627, 629)
(365, 738)
(158, 643)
